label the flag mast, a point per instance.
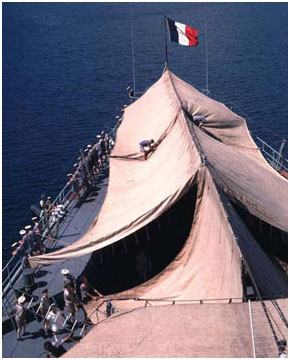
(165, 46)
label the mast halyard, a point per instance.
(133, 54)
(165, 45)
(206, 54)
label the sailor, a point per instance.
(86, 168)
(20, 317)
(146, 146)
(81, 177)
(68, 279)
(198, 120)
(95, 158)
(29, 239)
(25, 239)
(111, 144)
(44, 308)
(131, 93)
(54, 349)
(90, 162)
(88, 292)
(75, 187)
(106, 140)
(55, 319)
(143, 265)
(70, 301)
(110, 308)
(100, 150)
(48, 203)
(42, 201)
(37, 228)
(22, 249)
(102, 155)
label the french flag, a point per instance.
(182, 34)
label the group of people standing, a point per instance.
(76, 293)
(31, 242)
(89, 164)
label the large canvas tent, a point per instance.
(222, 158)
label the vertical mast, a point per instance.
(165, 46)
(132, 45)
(206, 54)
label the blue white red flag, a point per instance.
(182, 34)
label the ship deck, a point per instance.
(73, 226)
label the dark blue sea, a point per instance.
(66, 67)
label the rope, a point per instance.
(137, 156)
(206, 51)
(132, 45)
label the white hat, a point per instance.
(89, 146)
(21, 300)
(48, 198)
(117, 117)
(98, 136)
(125, 105)
(128, 88)
(64, 271)
(69, 174)
(76, 165)
(22, 232)
(27, 227)
(34, 218)
(79, 158)
(103, 132)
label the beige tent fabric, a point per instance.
(140, 191)
(221, 122)
(263, 193)
(270, 280)
(209, 265)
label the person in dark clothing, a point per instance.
(143, 265)
(70, 301)
(68, 279)
(88, 292)
(131, 93)
(37, 235)
(198, 120)
(146, 146)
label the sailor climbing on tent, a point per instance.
(198, 120)
(131, 93)
(147, 146)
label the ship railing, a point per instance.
(269, 325)
(13, 268)
(275, 158)
(148, 302)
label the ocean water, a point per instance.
(66, 67)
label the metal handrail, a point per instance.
(12, 275)
(276, 159)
